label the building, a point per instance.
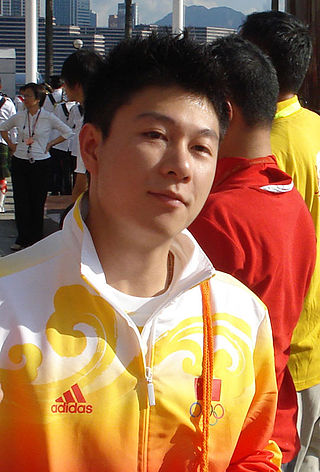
(15, 7)
(112, 36)
(102, 39)
(82, 13)
(93, 18)
(64, 12)
(113, 21)
(206, 34)
(201, 34)
(8, 70)
(12, 35)
(122, 15)
(74, 12)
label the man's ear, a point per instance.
(90, 139)
(230, 110)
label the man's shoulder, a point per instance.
(222, 200)
(58, 94)
(304, 119)
(233, 296)
(7, 103)
(45, 113)
(311, 114)
(33, 257)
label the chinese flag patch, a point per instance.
(216, 389)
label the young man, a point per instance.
(56, 96)
(255, 225)
(121, 347)
(78, 71)
(62, 161)
(295, 141)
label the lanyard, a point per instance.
(34, 125)
(29, 141)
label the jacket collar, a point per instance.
(191, 268)
(287, 107)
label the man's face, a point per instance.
(74, 93)
(152, 174)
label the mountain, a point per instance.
(201, 16)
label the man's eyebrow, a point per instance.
(168, 119)
(209, 132)
(156, 116)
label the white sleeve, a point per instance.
(80, 168)
(7, 125)
(7, 110)
(65, 130)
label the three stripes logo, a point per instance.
(71, 401)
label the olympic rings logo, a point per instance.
(217, 411)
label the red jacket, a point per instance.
(256, 226)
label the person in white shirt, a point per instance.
(76, 122)
(62, 163)
(31, 162)
(78, 72)
(7, 109)
(56, 96)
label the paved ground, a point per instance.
(54, 208)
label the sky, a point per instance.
(153, 10)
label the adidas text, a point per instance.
(71, 408)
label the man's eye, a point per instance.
(202, 149)
(153, 134)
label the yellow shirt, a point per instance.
(295, 141)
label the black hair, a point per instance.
(287, 42)
(39, 91)
(250, 79)
(81, 67)
(137, 63)
(56, 81)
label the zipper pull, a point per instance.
(151, 397)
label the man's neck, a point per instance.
(131, 266)
(285, 96)
(247, 142)
(143, 275)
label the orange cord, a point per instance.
(207, 371)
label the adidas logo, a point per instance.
(71, 401)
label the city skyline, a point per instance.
(151, 11)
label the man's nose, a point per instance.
(178, 162)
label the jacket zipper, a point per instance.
(151, 397)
